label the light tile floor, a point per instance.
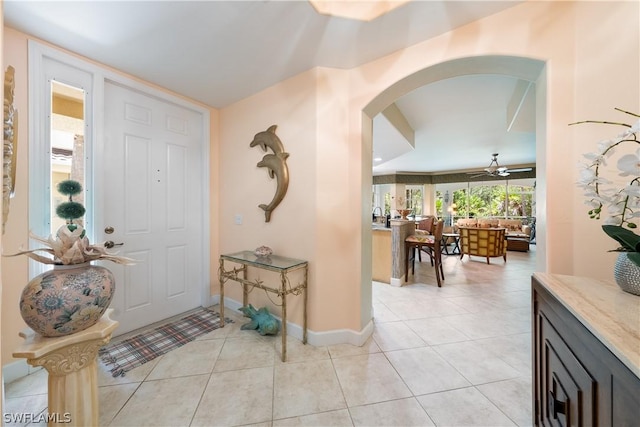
(452, 356)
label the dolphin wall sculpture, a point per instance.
(268, 138)
(276, 166)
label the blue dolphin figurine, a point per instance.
(261, 320)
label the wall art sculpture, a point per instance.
(276, 165)
(10, 146)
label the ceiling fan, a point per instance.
(495, 170)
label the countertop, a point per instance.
(608, 312)
(379, 227)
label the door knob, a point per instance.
(110, 244)
(108, 229)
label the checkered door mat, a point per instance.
(132, 352)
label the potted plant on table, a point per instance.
(619, 204)
(75, 294)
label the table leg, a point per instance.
(304, 320)
(245, 288)
(221, 279)
(284, 317)
(443, 246)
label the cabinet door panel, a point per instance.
(625, 411)
(568, 389)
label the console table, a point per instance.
(277, 264)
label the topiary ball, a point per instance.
(69, 187)
(70, 210)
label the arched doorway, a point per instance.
(528, 69)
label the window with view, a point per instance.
(492, 199)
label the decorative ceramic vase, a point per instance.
(627, 274)
(404, 212)
(67, 299)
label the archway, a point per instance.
(519, 67)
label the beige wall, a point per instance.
(568, 37)
(592, 56)
(243, 185)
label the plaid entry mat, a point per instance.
(132, 352)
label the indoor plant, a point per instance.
(619, 203)
(75, 294)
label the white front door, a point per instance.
(150, 194)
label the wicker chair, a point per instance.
(484, 242)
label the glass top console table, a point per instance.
(278, 264)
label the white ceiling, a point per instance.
(218, 52)
(459, 123)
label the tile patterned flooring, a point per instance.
(452, 356)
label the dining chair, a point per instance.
(430, 244)
(425, 226)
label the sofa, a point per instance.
(484, 242)
(517, 234)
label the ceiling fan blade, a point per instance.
(520, 170)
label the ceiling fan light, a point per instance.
(359, 10)
(504, 173)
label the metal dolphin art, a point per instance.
(275, 164)
(268, 138)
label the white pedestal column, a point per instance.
(73, 372)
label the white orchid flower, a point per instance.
(606, 144)
(631, 190)
(595, 158)
(617, 204)
(629, 164)
(612, 221)
(592, 203)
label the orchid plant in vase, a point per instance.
(619, 204)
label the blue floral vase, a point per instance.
(67, 299)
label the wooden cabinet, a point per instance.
(381, 253)
(586, 353)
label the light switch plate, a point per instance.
(238, 219)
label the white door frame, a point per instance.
(38, 137)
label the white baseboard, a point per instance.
(18, 369)
(318, 339)
(395, 282)
(212, 300)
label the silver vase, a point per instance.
(627, 274)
